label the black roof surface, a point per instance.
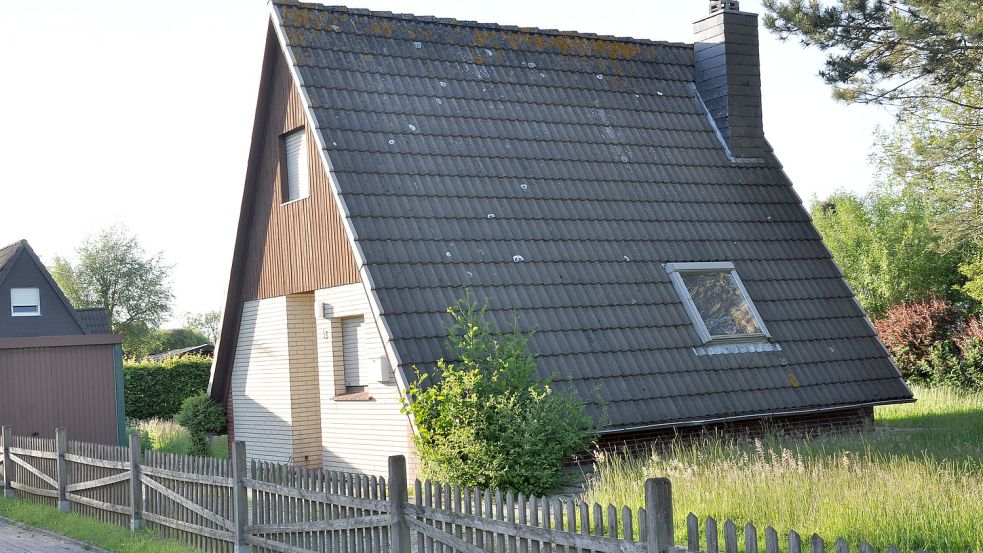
(555, 173)
(7, 253)
(94, 319)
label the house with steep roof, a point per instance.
(59, 366)
(618, 194)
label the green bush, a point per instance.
(957, 361)
(486, 420)
(156, 389)
(201, 416)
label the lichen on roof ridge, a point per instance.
(613, 45)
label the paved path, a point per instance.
(14, 539)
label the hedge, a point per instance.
(156, 389)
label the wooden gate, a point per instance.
(98, 484)
(34, 468)
(297, 510)
(189, 499)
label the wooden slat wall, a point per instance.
(300, 246)
(72, 386)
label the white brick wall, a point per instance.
(261, 381)
(356, 435)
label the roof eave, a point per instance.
(750, 416)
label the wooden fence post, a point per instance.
(241, 515)
(61, 448)
(658, 515)
(399, 530)
(136, 486)
(8, 465)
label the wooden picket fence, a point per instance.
(229, 506)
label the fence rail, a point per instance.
(228, 506)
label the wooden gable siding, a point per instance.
(300, 246)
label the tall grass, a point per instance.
(163, 435)
(915, 482)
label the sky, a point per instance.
(139, 112)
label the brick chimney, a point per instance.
(728, 75)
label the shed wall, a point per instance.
(42, 388)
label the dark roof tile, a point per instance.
(460, 147)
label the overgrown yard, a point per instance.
(916, 482)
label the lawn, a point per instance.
(915, 482)
(87, 530)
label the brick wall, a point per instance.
(358, 434)
(305, 397)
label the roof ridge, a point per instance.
(14, 243)
(476, 24)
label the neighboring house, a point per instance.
(205, 350)
(618, 194)
(59, 366)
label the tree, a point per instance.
(887, 248)
(485, 419)
(115, 273)
(894, 52)
(177, 338)
(938, 153)
(206, 323)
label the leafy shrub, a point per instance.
(971, 334)
(162, 435)
(156, 389)
(486, 420)
(910, 330)
(201, 416)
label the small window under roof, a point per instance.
(716, 300)
(297, 185)
(25, 302)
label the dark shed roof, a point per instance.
(555, 173)
(203, 349)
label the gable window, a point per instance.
(716, 301)
(25, 302)
(296, 184)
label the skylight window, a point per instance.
(716, 300)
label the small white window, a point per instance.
(716, 301)
(297, 184)
(354, 364)
(25, 302)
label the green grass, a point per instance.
(170, 437)
(220, 447)
(915, 482)
(87, 530)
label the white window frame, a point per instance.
(675, 271)
(360, 368)
(36, 305)
(303, 176)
